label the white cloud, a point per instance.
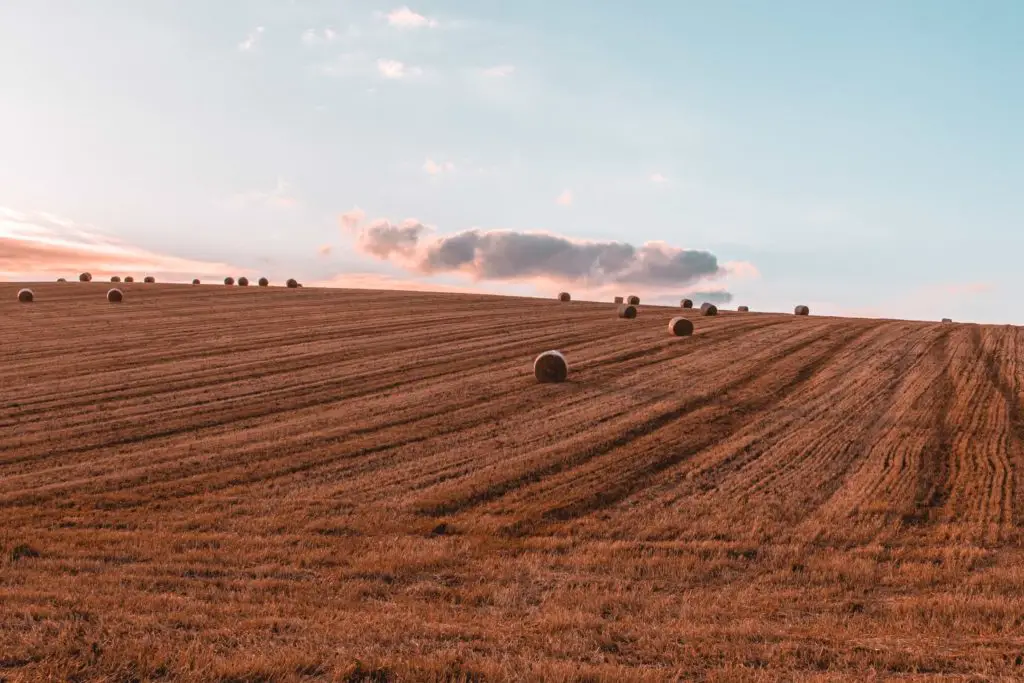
(251, 40)
(280, 197)
(405, 18)
(312, 37)
(434, 168)
(658, 179)
(500, 71)
(394, 69)
(565, 199)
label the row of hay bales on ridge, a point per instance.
(115, 295)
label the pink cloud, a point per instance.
(351, 220)
(39, 245)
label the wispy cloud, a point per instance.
(500, 71)
(280, 197)
(313, 37)
(405, 18)
(658, 179)
(351, 220)
(251, 40)
(565, 199)
(38, 245)
(436, 168)
(394, 69)
(742, 270)
(325, 250)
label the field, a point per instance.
(234, 484)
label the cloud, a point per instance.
(742, 269)
(968, 288)
(434, 168)
(405, 18)
(510, 256)
(565, 199)
(500, 71)
(394, 69)
(350, 220)
(38, 245)
(324, 250)
(715, 296)
(382, 238)
(658, 179)
(312, 37)
(251, 40)
(280, 197)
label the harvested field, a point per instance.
(263, 484)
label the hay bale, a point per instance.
(292, 283)
(564, 296)
(264, 282)
(115, 296)
(619, 300)
(550, 366)
(149, 279)
(743, 309)
(26, 296)
(633, 301)
(680, 327)
(60, 279)
(627, 311)
(947, 320)
(708, 309)
(195, 281)
(229, 281)
(115, 278)
(801, 310)
(686, 303)
(243, 281)
(129, 278)
(85, 277)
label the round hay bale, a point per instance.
(60, 279)
(708, 309)
(627, 311)
(229, 281)
(85, 277)
(686, 303)
(26, 296)
(292, 283)
(129, 278)
(801, 310)
(564, 296)
(633, 301)
(115, 278)
(743, 309)
(550, 366)
(264, 282)
(195, 281)
(243, 281)
(149, 279)
(115, 296)
(680, 327)
(619, 299)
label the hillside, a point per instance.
(250, 484)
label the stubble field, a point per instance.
(252, 484)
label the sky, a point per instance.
(861, 158)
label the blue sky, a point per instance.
(865, 158)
